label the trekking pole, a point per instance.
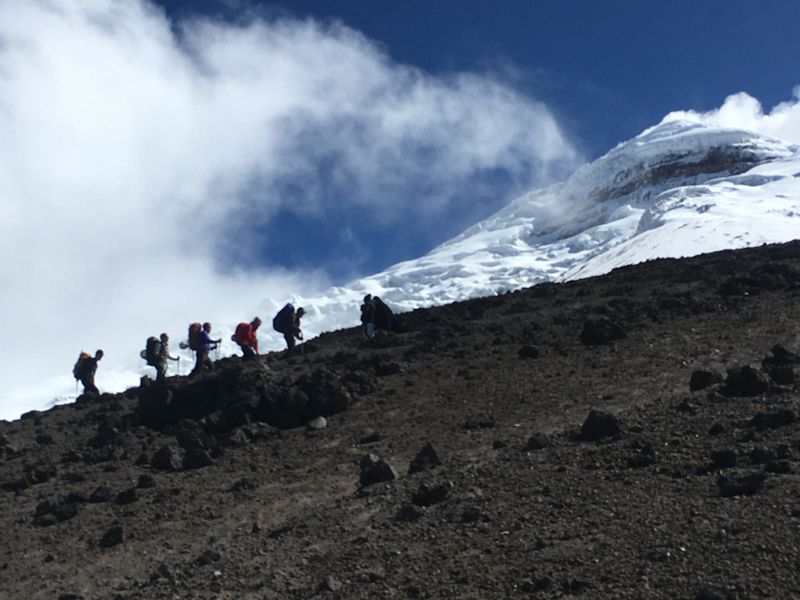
(179, 366)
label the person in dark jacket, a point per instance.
(86, 371)
(162, 358)
(206, 346)
(368, 317)
(292, 330)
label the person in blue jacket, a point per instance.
(205, 347)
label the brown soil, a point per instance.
(210, 489)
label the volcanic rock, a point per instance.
(599, 425)
(375, 470)
(744, 381)
(702, 379)
(597, 332)
(426, 459)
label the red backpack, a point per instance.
(194, 336)
(242, 335)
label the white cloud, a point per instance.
(742, 111)
(133, 157)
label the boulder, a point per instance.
(538, 441)
(740, 484)
(375, 470)
(744, 381)
(723, 459)
(773, 419)
(601, 331)
(49, 513)
(197, 459)
(426, 459)
(168, 458)
(702, 379)
(112, 537)
(599, 425)
(317, 424)
(428, 495)
(528, 351)
(101, 494)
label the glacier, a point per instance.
(678, 189)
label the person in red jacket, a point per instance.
(247, 339)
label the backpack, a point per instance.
(152, 348)
(194, 336)
(383, 315)
(80, 365)
(242, 334)
(282, 318)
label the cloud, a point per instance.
(742, 111)
(139, 159)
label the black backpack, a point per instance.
(383, 315)
(152, 349)
(80, 365)
(282, 318)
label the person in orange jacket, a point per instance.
(247, 339)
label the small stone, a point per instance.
(528, 351)
(375, 470)
(599, 425)
(426, 459)
(112, 537)
(330, 584)
(537, 441)
(317, 424)
(145, 481)
(127, 496)
(723, 459)
(740, 484)
(430, 495)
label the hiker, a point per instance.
(204, 347)
(85, 369)
(162, 358)
(368, 317)
(246, 337)
(293, 330)
(287, 322)
(383, 315)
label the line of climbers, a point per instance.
(375, 315)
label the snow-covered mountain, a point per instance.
(677, 189)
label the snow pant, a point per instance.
(369, 330)
(202, 361)
(248, 353)
(161, 371)
(290, 343)
(88, 385)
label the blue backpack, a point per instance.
(282, 318)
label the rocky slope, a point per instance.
(633, 435)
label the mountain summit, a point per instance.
(677, 189)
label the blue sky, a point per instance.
(609, 68)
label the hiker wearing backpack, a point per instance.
(247, 339)
(85, 369)
(205, 346)
(162, 358)
(156, 354)
(292, 330)
(368, 317)
(383, 315)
